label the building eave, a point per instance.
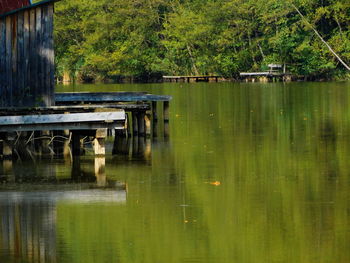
(28, 7)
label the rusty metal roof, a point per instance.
(9, 7)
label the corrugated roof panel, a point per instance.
(10, 5)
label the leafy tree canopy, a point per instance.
(108, 39)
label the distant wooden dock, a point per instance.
(208, 78)
(264, 76)
(276, 72)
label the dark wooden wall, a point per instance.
(27, 57)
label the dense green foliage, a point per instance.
(147, 38)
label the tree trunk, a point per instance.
(320, 37)
(192, 60)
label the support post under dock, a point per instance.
(148, 129)
(166, 111)
(141, 123)
(135, 125)
(99, 142)
(7, 145)
(76, 145)
(154, 111)
(205, 78)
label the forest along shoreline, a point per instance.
(141, 41)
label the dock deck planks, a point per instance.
(206, 78)
(74, 109)
(72, 121)
(107, 97)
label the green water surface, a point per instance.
(251, 173)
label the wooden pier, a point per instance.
(264, 77)
(88, 114)
(27, 81)
(143, 119)
(276, 72)
(72, 121)
(191, 78)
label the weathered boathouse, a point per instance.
(28, 110)
(26, 53)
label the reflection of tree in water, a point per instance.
(328, 149)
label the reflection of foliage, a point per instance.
(281, 155)
(105, 38)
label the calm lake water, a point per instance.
(251, 173)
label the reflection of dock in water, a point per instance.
(28, 220)
(28, 231)
(34, 189)
(67, 196)
(28, 204)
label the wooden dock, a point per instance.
(87, 114)
(107, 97)
(276, 72)
(93, 124)
(72, 121)
(264, 76)
(208, 78)
(27, 80)
(141, 119)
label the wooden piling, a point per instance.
(7, 145)
(128, 124)
(148, 124)
(154, 119)
(141, 123)
(199, 78)
(76, 143)
(155, 129)
(148, 150)
(141, 146)
(99, 142)
(166, 130)
(100, 173)
(45, 142)
(135, 146)
(7, 170)
(166, 111)
(154, 111)
(6, 150)
(135, 126)
(118, 139)
(67, 153)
